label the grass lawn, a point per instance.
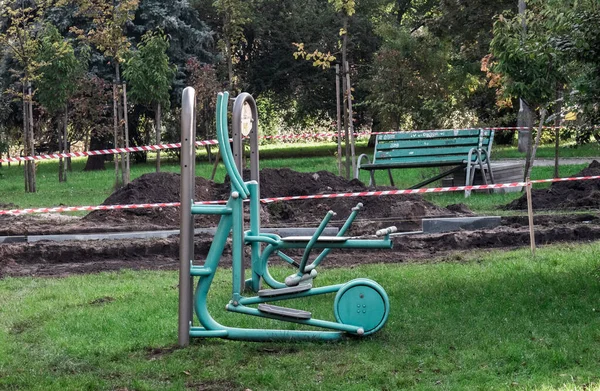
(492, 321)
(92, 188)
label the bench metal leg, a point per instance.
(483, 175)
(440, 176)
(468, 179)
(391, 177)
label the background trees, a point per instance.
(413, 64)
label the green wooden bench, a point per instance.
(461, 148)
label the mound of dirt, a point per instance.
(154, 188)
(405, 212)
(565, 195)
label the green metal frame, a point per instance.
(357, 303)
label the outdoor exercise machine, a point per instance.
(361, 306)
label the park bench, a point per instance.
(461, 148)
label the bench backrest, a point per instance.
(444, 147)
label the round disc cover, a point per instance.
(360, 304)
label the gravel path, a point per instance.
(550, 162)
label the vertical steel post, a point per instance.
(186, 218)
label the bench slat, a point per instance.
(460, 151)
(422, 161)
(473, 141)
(415, 164)
(433, 134)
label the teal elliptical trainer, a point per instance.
(360, 307)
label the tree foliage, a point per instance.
(59, 69)
(149, 72)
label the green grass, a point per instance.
(92, 188)
(494, 321)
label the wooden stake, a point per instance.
(350, 122)
(126, 129)
(339, 118)
(530, 215)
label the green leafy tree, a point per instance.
(107, 33)
(528, 63)
(20, 22)
(407, 87)
(150, 76)
(59, 70)
(235, 15)
(187, 29)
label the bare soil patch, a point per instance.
(63, 258)
(583, 194)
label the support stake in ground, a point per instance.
(530, 215)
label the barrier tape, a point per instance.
(158, 147)
(62, 209)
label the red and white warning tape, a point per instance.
(396, 192)
(157, 147)
(61, 209)
(111, 151)
(303, 197)
(574, 178)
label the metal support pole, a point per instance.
(186, 218)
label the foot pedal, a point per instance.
(283, 311)
(284, 291)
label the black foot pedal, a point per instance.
(283, 311)
(284, 291)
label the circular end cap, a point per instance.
(235, 194)
(360, 331)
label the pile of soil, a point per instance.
(405, 212)
(154, 188)
(565, 195)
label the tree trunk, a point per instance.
(66, 144)
(533, 149)
(120, 116)
(339, 118)
(95, 162)
(350, 122)
(525, 115)
(557, 123)
(61, 148)
(25, 139)
(115, 136)
(157, 128)
(345, 94)
(32, 180)
(126, 176)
